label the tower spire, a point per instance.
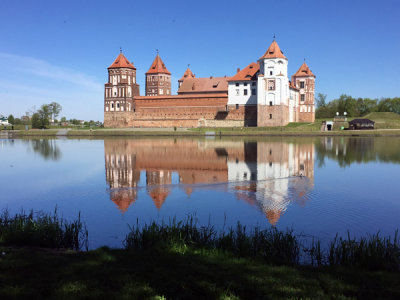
(120, 49)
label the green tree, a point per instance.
(11, 119)
(321, 100)
(63, 119)
(44, 114)
(18, 121)
(54, 109)
(36, 121)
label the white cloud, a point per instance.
(37, 67)
(26, 82)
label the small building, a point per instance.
(361, 124)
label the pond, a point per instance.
(317, 186)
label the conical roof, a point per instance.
(273, 51)
(158, 67)
(188, 74)
(121, 62)
(304, 71)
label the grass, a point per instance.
(180, 260)
(42, 230)
(168, 274)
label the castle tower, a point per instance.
(155, 181)
(121, 86)
(304, 80)
(273, 88)
(158, 79)
(188, 74)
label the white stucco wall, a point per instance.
(241, 98)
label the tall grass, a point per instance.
(42, 230)
(274, 246)
(374, 252)
(271, 245)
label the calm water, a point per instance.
(317, 186)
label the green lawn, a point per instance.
(32, 273)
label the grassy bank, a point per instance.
(181, 260)
(169, 274)
(247, 131)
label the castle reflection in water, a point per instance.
(266, 174)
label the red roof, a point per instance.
(188, 74)
(204, 85)
(248, 73)
(121, 62)
(158, 67)
(304, 71)
(292, 85)
(273, 51)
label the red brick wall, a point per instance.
(280, 115)
(183, 111)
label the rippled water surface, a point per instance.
(317, 186)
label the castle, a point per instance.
(261, 94)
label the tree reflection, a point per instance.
(47, 149)
(357, 150)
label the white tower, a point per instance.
(273, 88)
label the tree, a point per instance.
(54, 109)
(36, 121)
(321, 98)
(18, 121)
(11, 119)
(63, 119)
(44, 114)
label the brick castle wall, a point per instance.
(183, 111)
(275, 115)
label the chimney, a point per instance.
(237, 70)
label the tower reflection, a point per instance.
(267, 174)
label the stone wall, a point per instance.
(275, 115)
(183, 111)
(308, 117)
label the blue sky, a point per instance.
(60, 50)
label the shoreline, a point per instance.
(125, 132)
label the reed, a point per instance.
(42, 230)
(373, 252)
(271, 245)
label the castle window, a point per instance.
(237, 83)
(161, 91)
(270, 72)
(302, 97)
(253, 91)
(253, 84)
(270, 116)
(245, 84)
(237, 106)
(112, 105)
(270, 103)
(301, 167)
(245, 92)
(302, 84)
(237, 92)
(271, 85)
(117, 105)
(270, 164)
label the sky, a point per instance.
(60, 50)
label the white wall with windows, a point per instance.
(242, 92)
